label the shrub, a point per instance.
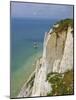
(62, 83)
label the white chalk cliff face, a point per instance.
(57, 57)
(67, 59)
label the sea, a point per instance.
(27, 37)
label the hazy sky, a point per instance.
(33, 10)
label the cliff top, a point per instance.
(63, 25)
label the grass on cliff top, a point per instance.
(62, 83)
(63, 25)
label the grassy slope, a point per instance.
(62, 83)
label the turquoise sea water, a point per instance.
(24, 33)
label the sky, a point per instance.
(44, 11)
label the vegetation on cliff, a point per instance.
(62, 83)
(63, 25)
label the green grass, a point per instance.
(63, 25)
(62, 83)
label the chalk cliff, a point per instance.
(57, 57)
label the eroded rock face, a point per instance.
(67, 59)
(57, 57)
(41, 86)
(59, 51)
(55, 49)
